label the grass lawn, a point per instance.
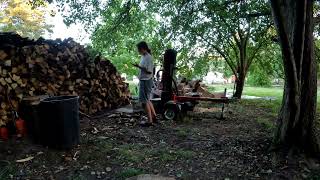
(249, 91)
(275, 92)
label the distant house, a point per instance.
(214, 77)
(218, 78)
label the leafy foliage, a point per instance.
(117, 27)
(218, 28)
(203, 32)
(229, 30)
(24, 18)
(270, 67)
(118, 35)
(259, 78)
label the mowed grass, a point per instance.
(272, 92)
(249, 91)
(276, 92)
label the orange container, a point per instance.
(4, 134)
(21, 127)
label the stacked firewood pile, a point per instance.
(187, 88)
(55, 67)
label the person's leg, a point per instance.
(149, 113)
(152, 109)
(143, 98)
(148, 90)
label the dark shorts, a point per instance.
(145, 87)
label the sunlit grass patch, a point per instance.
(266, 123)
(132, 153)
(129, 172)
(105, 146)
(136, 153)
(167, 155)
(276, 92)
(185, 154)
(183, 132)
(272, 105)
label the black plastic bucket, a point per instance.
(29, 111)
(59, 121)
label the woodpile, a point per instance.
(189, 88)
(55, 67)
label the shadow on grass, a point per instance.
(136, 153)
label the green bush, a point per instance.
(259, 78)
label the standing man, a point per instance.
(145, 76)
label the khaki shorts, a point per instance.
(145, 87)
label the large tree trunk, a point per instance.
(239, 85)
(296, 121)
(241, 69)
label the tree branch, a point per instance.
(233, 32)
(224, 55)
(255, 52)
(226, 58)
(234, 48)
(260, 45)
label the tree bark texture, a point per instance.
(296, 120)
(239, 84)
(242, 65)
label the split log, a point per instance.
(55, 67)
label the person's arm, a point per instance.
(142, 68)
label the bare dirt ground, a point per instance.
(114, 146)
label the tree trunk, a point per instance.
(239, 85)
(296, 121)
(242, 71)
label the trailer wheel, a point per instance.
(170, 113)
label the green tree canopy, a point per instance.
(117, 26)
(198, 30)
(220, 28)
(122, 27)
(22, 17)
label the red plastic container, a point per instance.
(4, 134)
(21, 127)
